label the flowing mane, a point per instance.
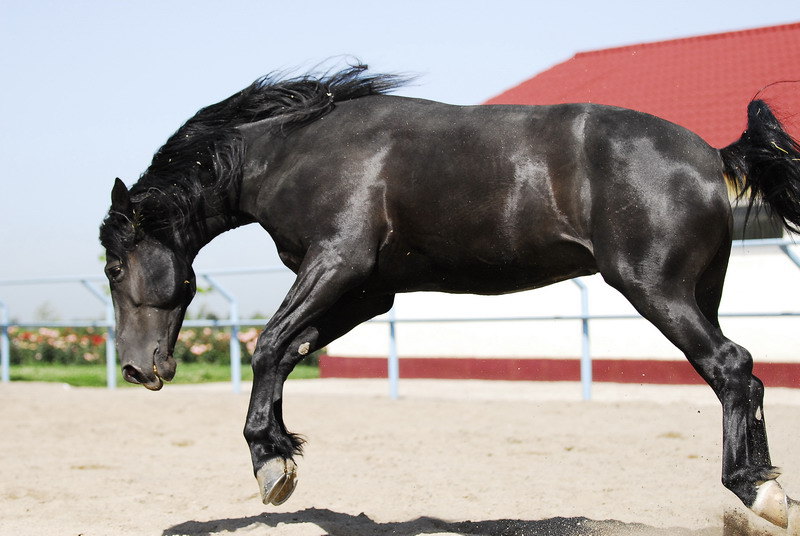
(206, 154)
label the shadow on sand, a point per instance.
(339, 524)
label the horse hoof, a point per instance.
(772, 503)
(276, 480)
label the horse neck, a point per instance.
(191, 239)
(201, 232)
(209, 218)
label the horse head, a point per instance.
(151, 287)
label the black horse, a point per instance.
(367, 195)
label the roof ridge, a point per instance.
(690, 39)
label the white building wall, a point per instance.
(759, 280)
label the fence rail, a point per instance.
(95, 284)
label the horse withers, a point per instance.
(366, 195)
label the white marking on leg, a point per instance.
(304, 348)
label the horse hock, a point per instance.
(775, 506)
(277, 479)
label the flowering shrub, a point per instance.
(205, 345)
(87, 345)
(209, 345)
(57, 345)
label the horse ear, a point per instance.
(120, 198)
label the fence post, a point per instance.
(789, 253)
(394, 361)
(235, 347)
(111, 347)
(111, 350)
(5, 347)
(586, 356)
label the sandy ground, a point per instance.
(468, 458)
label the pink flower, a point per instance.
(200, 349)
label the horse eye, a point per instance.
(114, 272)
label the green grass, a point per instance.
(95, 375)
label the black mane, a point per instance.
(206, 154)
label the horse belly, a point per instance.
(465, 269)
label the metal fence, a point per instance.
(97, 287)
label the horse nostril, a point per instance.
(131, 374)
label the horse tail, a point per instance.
(764, 164)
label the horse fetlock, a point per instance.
(277, 480)
(746, 482)
(773, 504)
(265, 447)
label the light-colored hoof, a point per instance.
(277, 479)
(772, 503)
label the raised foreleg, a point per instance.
(325, 302)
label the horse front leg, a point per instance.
(272, 446)
(287, 338)
(325, 302)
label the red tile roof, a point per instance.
(703, 83)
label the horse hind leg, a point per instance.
(708, 294)
(686, 313)
(770, 501)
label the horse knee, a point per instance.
(276, 350)
(267, 353)
(262, 361)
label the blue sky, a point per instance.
(90, 89)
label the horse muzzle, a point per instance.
(161, 369)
